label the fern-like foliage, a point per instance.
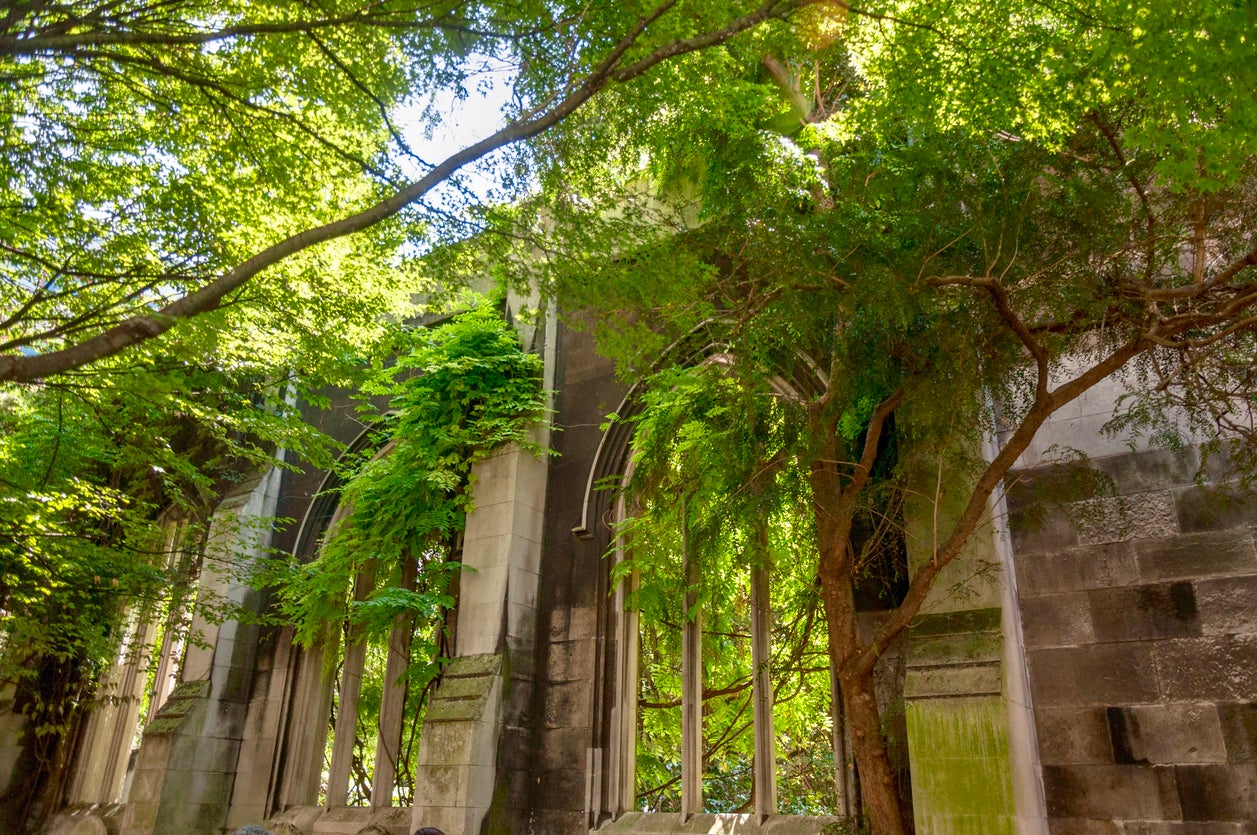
(458, 392)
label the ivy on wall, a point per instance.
(457, 392)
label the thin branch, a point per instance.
(872, 438)
(923, 578)
(1124, 165)
(1042, 408)
(163, 68)
(366, 91)
(1249, 259)
(53, 40)
(999, 296)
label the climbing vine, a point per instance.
(457, 392)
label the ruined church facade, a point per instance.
(1097, 675)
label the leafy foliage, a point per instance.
(106, 485)
(89, 474)
(159, 158)
(149, 148)
(202, 203)
(459, 391)
(1013, 202)
(713, 473)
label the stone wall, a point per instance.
(569, 726)
(1138, 601)
(1139, 606)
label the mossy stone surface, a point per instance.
(961, 780)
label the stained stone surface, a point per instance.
(957, 725)
(1141, 634)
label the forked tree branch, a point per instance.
(1044, 405)
(923, 578)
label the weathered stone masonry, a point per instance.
(1140, 617)
(1137, 602)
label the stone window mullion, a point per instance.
(691, 682)
(623, 737)
(765, 762)
(347, 705)
(393, 703)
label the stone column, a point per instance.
(106, 743)
(957, 718)
(189, 757)
(480, 705)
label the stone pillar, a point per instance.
(106, 744)
(480, 707)
(458, 746)
(189, 757)
(958, 725)
(957, 719)
(1023, 746)
(691, 681)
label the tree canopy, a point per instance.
(159, 157)
(890, 217)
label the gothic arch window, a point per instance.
(719, 695)
(723, 686)
(356, 707)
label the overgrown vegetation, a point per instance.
(105, 494)
(701, 488)
(387, 569)
(456, 393)
(888, 218)
(903, 215)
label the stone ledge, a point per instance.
(946, 650)
(943, 682)
(465, 688)
(96, 819)
(466, 666)
(174, 712)
(957, 623)
(668, 822)
(344, 820)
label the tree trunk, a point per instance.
(834, 507)
(877, 778)
(47, 703)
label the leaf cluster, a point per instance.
(106, 482)
(461, 390)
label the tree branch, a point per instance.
(923, 578)
(1150, 218)
(66, 37)
(872, 438)
(144, 327)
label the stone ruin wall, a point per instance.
(1139, 612)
